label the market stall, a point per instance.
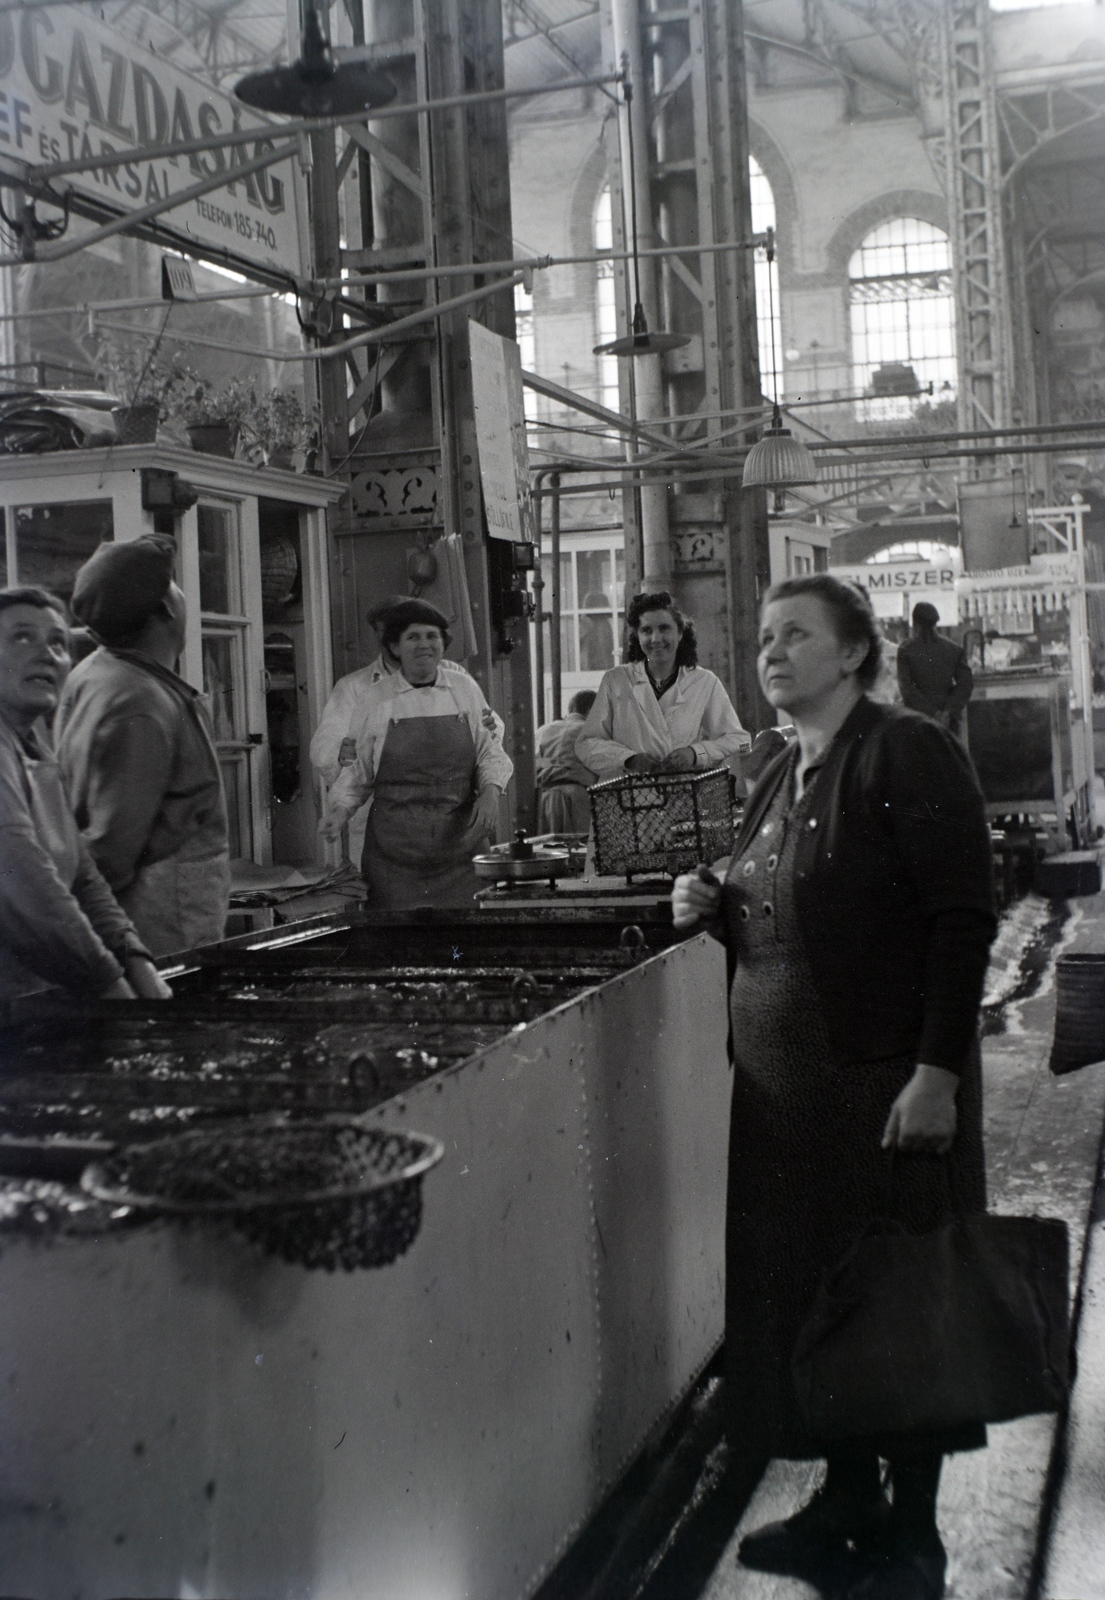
(1030, 718)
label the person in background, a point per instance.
(661, 711)
(59, 922)
(137, 754)
(857, 914)
(333, 745)
(426, 759)
(933, 674)
(562, 779)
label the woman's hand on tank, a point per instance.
(642, 765)
(681, 760)
(923, 1117)
(145, 980)
(347, 752)
(695, 897)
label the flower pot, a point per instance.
(214, 438)
(136, 424)
(282, 458)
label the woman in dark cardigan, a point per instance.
(858, 915)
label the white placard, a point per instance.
(895, 587)
(501, 433)
(70, 86)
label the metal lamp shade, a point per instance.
(778, 461)
(350, 89)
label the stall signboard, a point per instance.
(895, 587)
(501, 433)
(72, 87)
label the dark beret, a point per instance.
(394, 620)
(122, 584)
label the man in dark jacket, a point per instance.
(137, 755)
(933, 674)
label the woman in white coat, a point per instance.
(661, 711)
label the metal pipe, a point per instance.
(373, 336)
(420, 274)
(591, 408)
(539, 263)
(220, 141)
(58, 252)
(146, 303)
(539, 608)
(554, 625)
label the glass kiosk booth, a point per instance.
(252, 561)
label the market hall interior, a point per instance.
(398, 1232)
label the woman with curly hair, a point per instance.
(660, 711)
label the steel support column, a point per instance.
(974, 193)
(695, 105)
(647, 374)
(423, 190)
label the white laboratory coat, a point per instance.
(627, 720)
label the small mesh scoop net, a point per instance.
(329, 1192)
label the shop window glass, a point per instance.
(220, 562)
(53, 541)
(222, 684)
(592, 613)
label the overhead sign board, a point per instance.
(895, 587)
(72, 87)
(501, 433)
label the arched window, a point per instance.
(606, 309)
(768, 319)
(902, 315)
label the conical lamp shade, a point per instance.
(778, 461)
(642, 341)
(348, 90)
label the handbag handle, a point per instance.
(892, 1156)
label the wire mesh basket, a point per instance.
(329, 1192)
(662, 822)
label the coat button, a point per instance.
(769, 909)
(813, 822)
(772, 863)
(749, 868)
(744, 913)
(766, 829)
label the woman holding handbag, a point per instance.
(858, 915)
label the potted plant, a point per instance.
(213, 414)
(279, 425)
(143, 383)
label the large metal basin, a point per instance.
(184, 1415)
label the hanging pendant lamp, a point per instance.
(640, 341)
(777, 461)
(317, 85)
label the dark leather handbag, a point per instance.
(918, 1332)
